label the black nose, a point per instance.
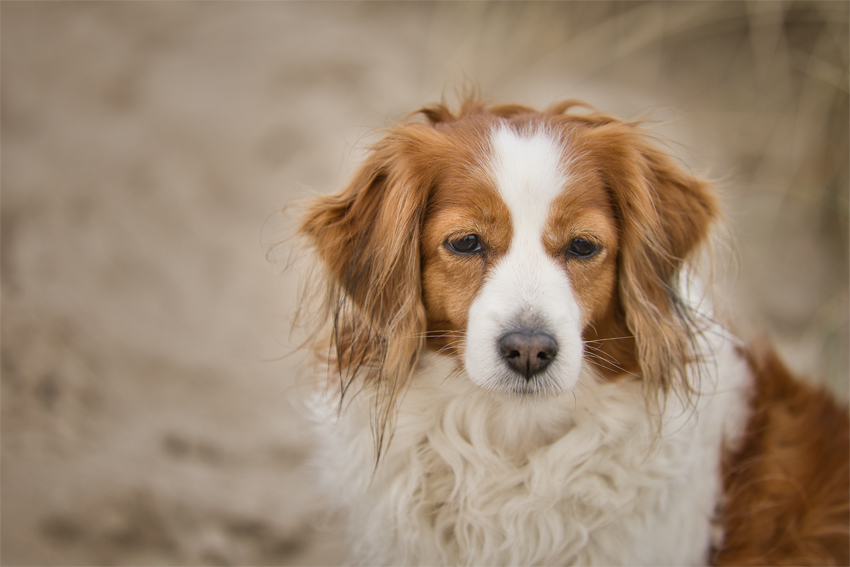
(528, 352)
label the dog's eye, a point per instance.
(581, 248)
(469, 244)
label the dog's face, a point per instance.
(519, 250)
(526, 244)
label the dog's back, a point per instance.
(787, 489)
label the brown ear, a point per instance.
(367, 236)
(664, 215)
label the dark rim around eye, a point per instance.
(469, 244)
(582, 248)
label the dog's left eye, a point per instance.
(469, 244)
(581, 248)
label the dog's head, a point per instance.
(527, 244)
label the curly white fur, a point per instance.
(476, 478)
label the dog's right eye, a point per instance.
(469, 244)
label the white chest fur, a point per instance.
(582, 478)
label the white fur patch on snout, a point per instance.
(530, 293)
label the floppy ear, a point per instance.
(367, 236)
(664, 215)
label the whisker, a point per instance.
(611, 339)
(608, 366)
(609, 363)
(617, 368)
(438, 334)
(449, 347)
(605, 360)
(602, 354)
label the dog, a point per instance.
(521, 366)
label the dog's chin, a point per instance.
(532, 390)
(509, 384)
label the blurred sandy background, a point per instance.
(146, 413)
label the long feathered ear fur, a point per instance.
(664, 215)
(367, 236)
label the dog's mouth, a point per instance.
(535, 387)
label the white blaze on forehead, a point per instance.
(528, 171)
(527, 287)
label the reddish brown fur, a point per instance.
(664, 214)
(368, 237)
(462, 202)
(788, 486)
